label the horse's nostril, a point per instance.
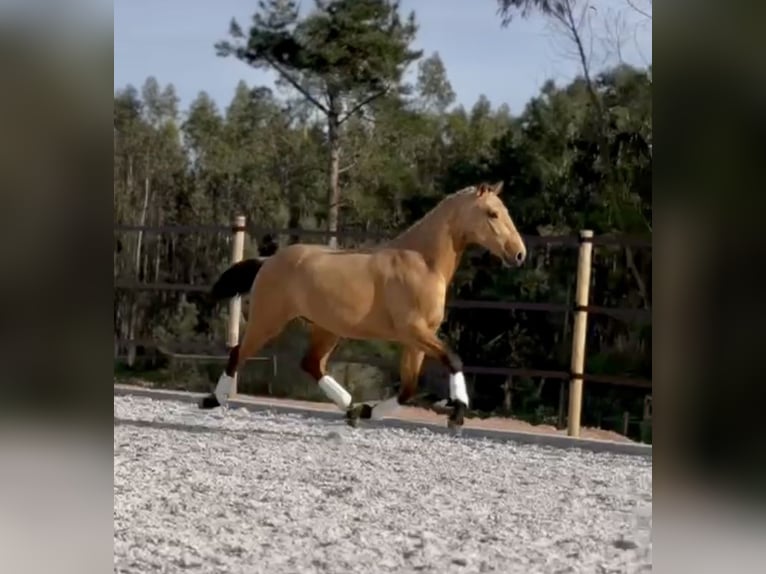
(520, 257)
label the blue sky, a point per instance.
(173, 41)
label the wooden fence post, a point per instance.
(579, 332)
(235, 303)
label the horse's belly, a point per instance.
(352, 313)
(352, 323)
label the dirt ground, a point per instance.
(249, 492)
(416, 414)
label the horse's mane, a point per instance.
(424, 220)
(445, 200)
(464, 191)
(427, 218)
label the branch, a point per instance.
(294, 83)
(363, 103)
(569, 22)
(639, 10)
(637, 276)
(614, 32)
(346, 168)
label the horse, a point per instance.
(395, 292)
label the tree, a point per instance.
(433, 86)
(340, 57)
(250, 120)
(571, 22)
(148, 160)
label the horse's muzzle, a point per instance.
(513, 260)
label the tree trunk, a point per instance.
(134, 305)
(126, 316)
(333, 198)
(157, 257)
(142, 222)
(294, 220)
(191, 269)
(637, 276)
(539, 392)
(565, 345)
(293, 206)
(507, 386)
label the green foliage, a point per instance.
(350, 45)
(178, 323)
(433, 87)
(509, 8)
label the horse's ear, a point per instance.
(481, 189)
(497, 188)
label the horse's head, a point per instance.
(483, 219)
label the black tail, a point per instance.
(237, 279)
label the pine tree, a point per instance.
(340, 58)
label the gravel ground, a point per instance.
(243, 492)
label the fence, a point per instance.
(581, 309)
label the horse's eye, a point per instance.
(492, 214)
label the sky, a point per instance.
(173, 40)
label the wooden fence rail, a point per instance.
(256, 231)
(218, 351)
(625, 314)
(581, 310)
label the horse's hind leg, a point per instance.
(409, 371)
(321, 345)
(257, 333)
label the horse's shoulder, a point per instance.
(403, 263)
(397, 255)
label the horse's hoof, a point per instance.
(209, 402)
(458, 413)
(455, 428)
(357, 412)
(352, 422)
(457, 418)
(352, 416)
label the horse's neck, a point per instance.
(432, 238)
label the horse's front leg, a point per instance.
(426, 340)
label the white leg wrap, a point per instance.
(335, 392)
(224, 388)
(385, 408)
(457, 391)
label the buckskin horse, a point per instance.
(394, 292)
